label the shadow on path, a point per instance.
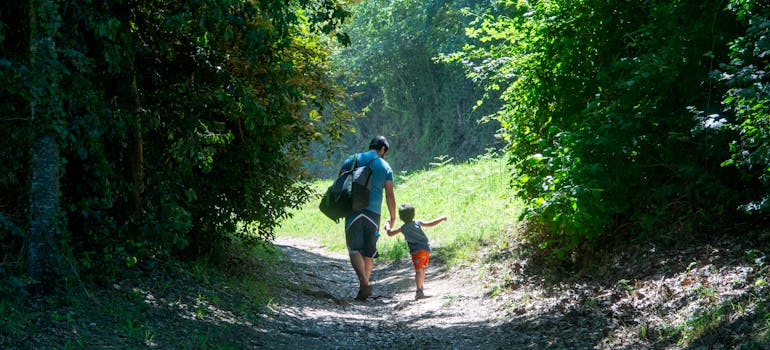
(638, 301)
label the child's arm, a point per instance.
(390, 232)
(432, 222)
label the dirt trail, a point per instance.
(320, 313)
(689, 295)
(647, 299)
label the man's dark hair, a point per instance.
(378, 142)
(406, 213)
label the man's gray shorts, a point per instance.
(361, 235)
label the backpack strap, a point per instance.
(354, 164)
(372, 161)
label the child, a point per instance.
(419, 247)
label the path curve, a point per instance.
(319, 311)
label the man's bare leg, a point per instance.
(359, 266)
(368, 264)
(359, 263)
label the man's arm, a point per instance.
(432, 222)
(390, 200)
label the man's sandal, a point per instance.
(364, 293)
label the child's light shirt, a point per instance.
(415, 236)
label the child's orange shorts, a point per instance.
(420, 259)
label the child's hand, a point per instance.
(387, 227)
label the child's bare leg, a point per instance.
(419, 278)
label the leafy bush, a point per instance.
(178, 121)
(748, 100)
(605, 110)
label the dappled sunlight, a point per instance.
(603, 168)
(192, 308)
(632, 298)
(321, 305)
(653, 297)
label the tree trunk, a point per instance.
(45, 106)
(127, 94)
(44, 206)
(135, 152)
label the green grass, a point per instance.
(474, 195)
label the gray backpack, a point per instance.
(349, 192)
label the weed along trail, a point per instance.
(318, 310)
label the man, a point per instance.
(361, 227)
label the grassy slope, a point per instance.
(473, 195)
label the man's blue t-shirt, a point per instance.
(381, 172)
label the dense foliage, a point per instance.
(747, 102)
(614, 120)
(177, 121)
(425, 107)
(137, 127)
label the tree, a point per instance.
(160, 127)
(599, 100)
(46, 111)
(427, 108)
(263, 100)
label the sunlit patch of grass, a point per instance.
(701, 323)
(392, 248)
(714, 319)
(474, 195)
